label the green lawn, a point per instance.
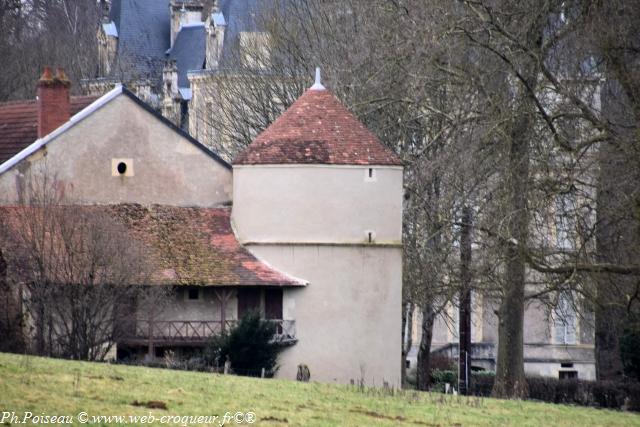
(55, 387)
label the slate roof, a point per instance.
(189, 50)
(144, 32)
(143, 28)
(240, 16)
(185, 246)
(19, 124)
(317, 129)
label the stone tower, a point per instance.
(319, 197)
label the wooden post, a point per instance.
(227, 366)
(223, 296)
(223, 309)
(151, 350)
(262, 373)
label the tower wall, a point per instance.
(317, 204)
(313, 222)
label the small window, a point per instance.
(194, 294)
(122, 168)
(369, 236)
(568, 375)
(566, 365)
(407, 364)
(370, 175)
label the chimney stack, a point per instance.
(54, 104)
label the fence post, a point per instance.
(262, 373)
(227, 365)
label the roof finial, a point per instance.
(317, 85)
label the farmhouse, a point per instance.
(305, 227)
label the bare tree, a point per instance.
(78, 267)
(35, 33)
(492, 105)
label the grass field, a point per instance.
(47, 387)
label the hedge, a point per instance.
(599, 394)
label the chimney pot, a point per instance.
(46, 76)
(61, 75)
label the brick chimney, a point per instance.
(54, 105)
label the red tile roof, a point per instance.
(318, 129)
(19, 124)
(188, 246)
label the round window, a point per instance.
(122, 168)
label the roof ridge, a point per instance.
(33, 101)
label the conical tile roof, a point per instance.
(317, 129)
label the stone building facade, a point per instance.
(160, 48)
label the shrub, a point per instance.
(629, 349)
(482, 383)
(442, 362)
(600, 394)
(541, 388)
(249, 346)
(440, 377)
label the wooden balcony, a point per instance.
(192, 332)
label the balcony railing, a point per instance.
(193, 332)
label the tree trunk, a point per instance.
(424, 353)
(618, 201)
(616, 235)
(608, 331)
(464, 332)
(11, 320)
(510, 380)
(39, 326)
(407, 339)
